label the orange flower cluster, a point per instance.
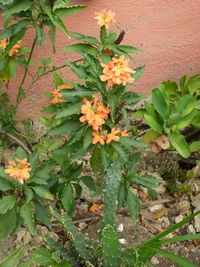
(18, 169)
(14, 49)
(117, 71)
(56, 94)
(3, 43)
(105, 17)
(108, 138)
(94, 113)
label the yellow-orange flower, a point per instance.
(15, 49)
(112, 136)
(56, 94)
(18, 169)
(3, 43)
(98, 138)
(105, 17)
(117, 71)
(124, 133)
(94, 113)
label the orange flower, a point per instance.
(18, 169)
(65, 86)
(124, 133)
(14, 49)
(112, 136)
(98, 138)
(94, 113)
(117, 72)
(3, 43)
(56, 94)
(105, 17)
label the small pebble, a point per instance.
(154, 261)
(120, 228)
(122, 241)
(191, 229)
(179, 218)
(156, 207)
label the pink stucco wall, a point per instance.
(167, 31)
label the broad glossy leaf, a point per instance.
(85, 39)
(82, 49)
(160, 103)
(180, 144)
(18, 7)
(26, 213)
(13, 259)
(7, 203)
(154, 124)
(8, 223)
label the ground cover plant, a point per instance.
(86, 118)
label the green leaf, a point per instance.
(185, 105)
(119, 149)
(98, 160)
(26, 213)
(180, 144)
(129, 142)
(43, 256)
(42, 213)
(193, 85)
(133, 205)
(87, 139)
(15, 28)
(122, 196)
(28, 193)
(68, 127)
(64, 12)
(146, 181)
(111, 251)
(180, 238)
(138, 73)
(8, 223)
(18, 7)
(153, 123)
(78, 90)
(43, 192)
(7, 203)
(13, 259)
(103, 34)
(82, 49)
(195, 146)
(67, 199)
(50, 109)
(57, 79)
(20, 153)
(183, 262)
(54, 18)
(40, 35)
(149, 136)
(74, 108)
(13, 66)
(129, 49)
(85, 39)
(33, 160)
(132, 98)
(5, 185)
(172, 228)
(89, 182)
(160, 103)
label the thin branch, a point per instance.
(124, 210)
(34, 80)
(25, 73)
(17, 141)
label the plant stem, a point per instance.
(25, 74)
